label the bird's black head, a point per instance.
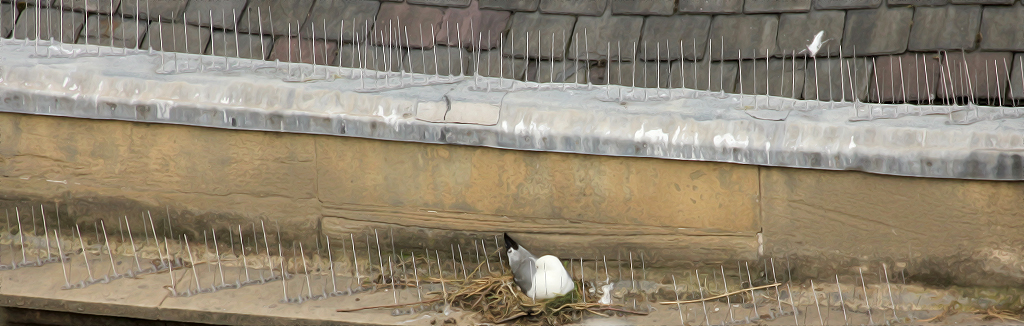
(509, 243)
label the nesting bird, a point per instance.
(540, 278)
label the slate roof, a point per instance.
(944, 48)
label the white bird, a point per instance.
(540, 278)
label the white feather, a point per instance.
(550, 280)
(816, 44)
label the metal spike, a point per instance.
(502, 261)
(220, 266)
(245, 263)
(391, 271)
(85, 257)
(463, 263)
(355, 260)
(195, 274)
(284, 275)
(110, 251)
(796, 312)
(842, 303)
(302, 254)
(728, 300)
(170, 268)
(486, 260)
(700, 289)
(440, 275)
(380, 259)
(775, 279)
(60, 251)
(632, 280)
(21, 236)
(891, 301)
(416, 274)
(47, 233)
(866, 301)
(750, 281)
(675, 289)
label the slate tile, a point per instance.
(846, 4)
(776, 6)
(636, 74)
(742, 32)
(574, 7)
(780, 80)
(547, 71)
(92, 6)
(8, 15)
(511, 5)
(917, 82)
(797, 31)
(103, 29)
(691, 30)
(372, 57)
(493, 64)
(833, 79)
(174, 37)
(51, 25)
(355, 16)
(711, 6)
(474, 26)
(1016, 87)
(441, 60)
(695, 75)
(973, 76)
(594, 35)
(644, 7)
(539, 24)
(299, 49)
(918, 3)
(246, 46)
(401, 17)
(944, 28)
(877, 31)
(984, 2)
(442, 3)
(997, 34)
(225, 12)
(167, 10)
(274, 16)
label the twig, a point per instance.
(722, 295)
(389, 306)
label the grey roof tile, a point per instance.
(918, 3)
(779, 80)
(984, 2)
(124, 33)
(354, 14)
(539, 24)
(92, 6)
(513, 5)
(1016, 72)
(248, 46)
(711, 6)
(226, 12)
(547, 71)
(964, 81)
(449, 61)
(745, 33)
(776, 6)
(912, 85)
(444, 3)
(574, 7)
(644, 7)
(997, 34)
(944, 28)
(168, 10)
(274, 16)
(402, 17)
(691, 30)
(877, 31)
(639, 74)
(846, 4)
(474, 26)
(797, 31)
(832, 80)
(723, 75)
(373, 60)
(8, 15)
(294, 49)
(50, 26)
(493, 64)
(174, 37)
(601, 33)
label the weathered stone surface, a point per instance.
(51, 25)
(512, 5)
(834, 82)
(797, 31)
(974, 76)
(638, 74)
(911, 85)
(8, 15)
(774, 6)
(547, 71)
(414, 19)
(373, 58)
(354, 14)
(493, 64)
(723, 75)
(596, 33)
(544, 25)
(743, 32)
(293, 49)
(474, 26)
(644, 7)
(173, 36)
(944, 28)
(997, 34)
(443, 3)
(918, 3)
(276, 16)
(92, 6)
(691, 30)
(877, 31)
(1016, 90)
(846, 4)
(441, 60)
(247, 46)
(711, 6)
(225, 12)
(780, 79)
(984, 2)
(166, 10)
(574, 7)
(124, 33)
